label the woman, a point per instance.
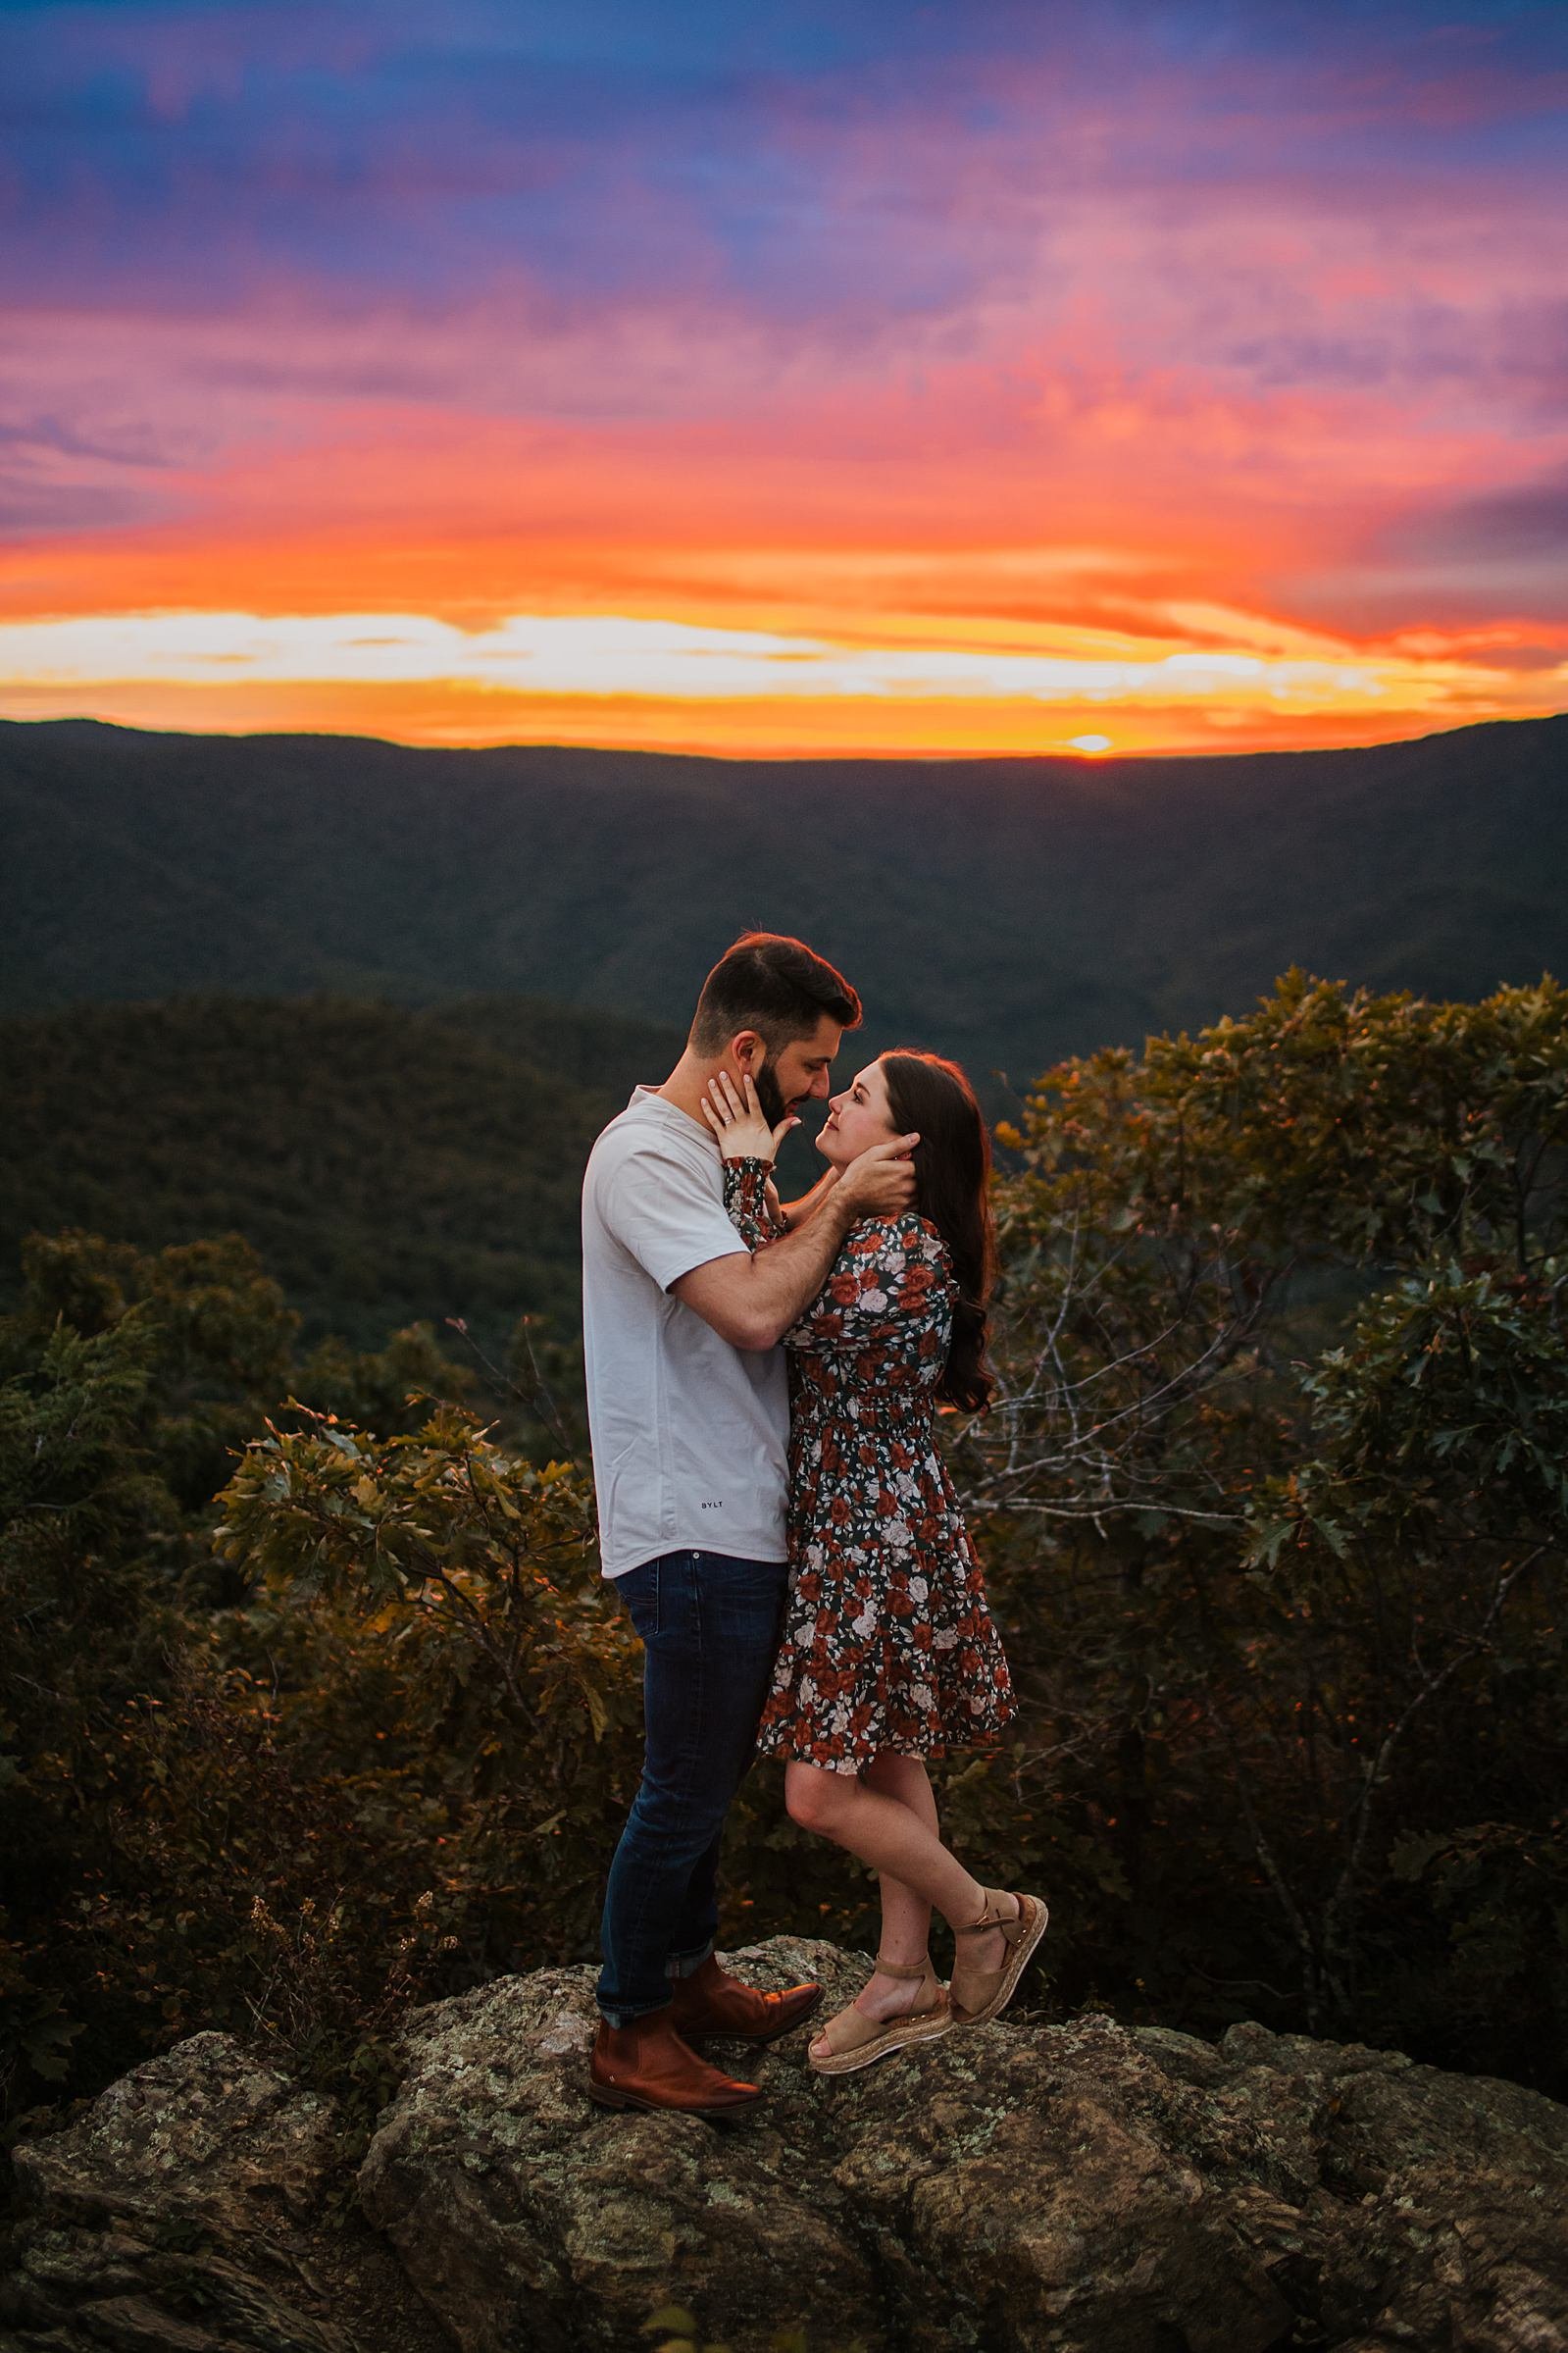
(889, 1655)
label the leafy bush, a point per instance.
(146, 1799)
(1273, 1497)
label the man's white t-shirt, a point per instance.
(690, 1436)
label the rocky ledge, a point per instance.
(1085, 2187)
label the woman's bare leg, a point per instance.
(905, 1912)
(900, 1843)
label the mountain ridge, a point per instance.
(1007, 910)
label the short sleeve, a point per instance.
(658, 1207)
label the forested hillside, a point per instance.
(388, 1168)
(1008, 910)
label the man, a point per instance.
(689, 1417)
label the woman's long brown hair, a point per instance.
(952, 1188)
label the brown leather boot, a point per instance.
(646, 2064)
(709, 2002)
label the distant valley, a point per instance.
(1009, 911)
(369, 1006)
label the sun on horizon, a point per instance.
(924, 385)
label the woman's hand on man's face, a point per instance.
(737, 1120)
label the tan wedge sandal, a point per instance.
(855, 2040)
(977, 1995)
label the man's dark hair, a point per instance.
(776, 986)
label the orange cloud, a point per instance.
(997, 372)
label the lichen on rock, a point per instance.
(1071, 2187)
(182, 2215)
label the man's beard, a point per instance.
(770, 1101)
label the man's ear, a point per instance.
(748, 1051)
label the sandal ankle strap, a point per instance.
(988, 1918)
(904, 1969)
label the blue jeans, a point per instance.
(710, 1626)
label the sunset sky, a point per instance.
(878, 377)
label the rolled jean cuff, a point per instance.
(687, 1964)
(628, 2017)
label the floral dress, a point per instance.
(887, 1644)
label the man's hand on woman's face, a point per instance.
(880, 1182)
(743, 1133)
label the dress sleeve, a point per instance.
(892, 1281)
(745, 1199)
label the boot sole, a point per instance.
(604, 2095)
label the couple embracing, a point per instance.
(779, 1522)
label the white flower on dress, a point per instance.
(918, 1590)
(865, 1623)
(921, 1696)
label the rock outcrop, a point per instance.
(184, 2214)
(1083, 2188)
